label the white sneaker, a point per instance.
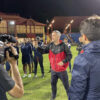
(25, 75)
(29, 75)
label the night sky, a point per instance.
(41, 10)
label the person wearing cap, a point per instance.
(85, 83)
(59, 57)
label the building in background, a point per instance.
(67, 22)
(68, 25)
(21, 27)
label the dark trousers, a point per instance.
(54, 78)
(70, 66)
(40, 60)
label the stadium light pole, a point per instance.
(69, 25)
(53, 21)
(71, 22)
(47, 30)
(51, 25)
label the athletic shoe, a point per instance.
(29, 75)
(25, 75)
(35, 76)
(42, 76)
(52, 99)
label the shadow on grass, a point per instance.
(40, 84)
(25, 94)
(26, 83)
(46, 96)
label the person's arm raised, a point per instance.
(18, 90)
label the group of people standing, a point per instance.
(27, 49)
(29, 60)
(59, 56)
(85, 83)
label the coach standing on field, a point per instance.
(59, 56)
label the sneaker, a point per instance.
(35, 76)
(52, 99)
(29, 75)
(42, 76)
(25, 75)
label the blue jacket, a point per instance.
(25, 49)
(36, 52)
(85, 84)
(31, 47)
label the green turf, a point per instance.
(40, 89)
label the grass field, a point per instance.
(40, 89)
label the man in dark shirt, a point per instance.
(26, 58)
(14, 85)
(31, 56)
